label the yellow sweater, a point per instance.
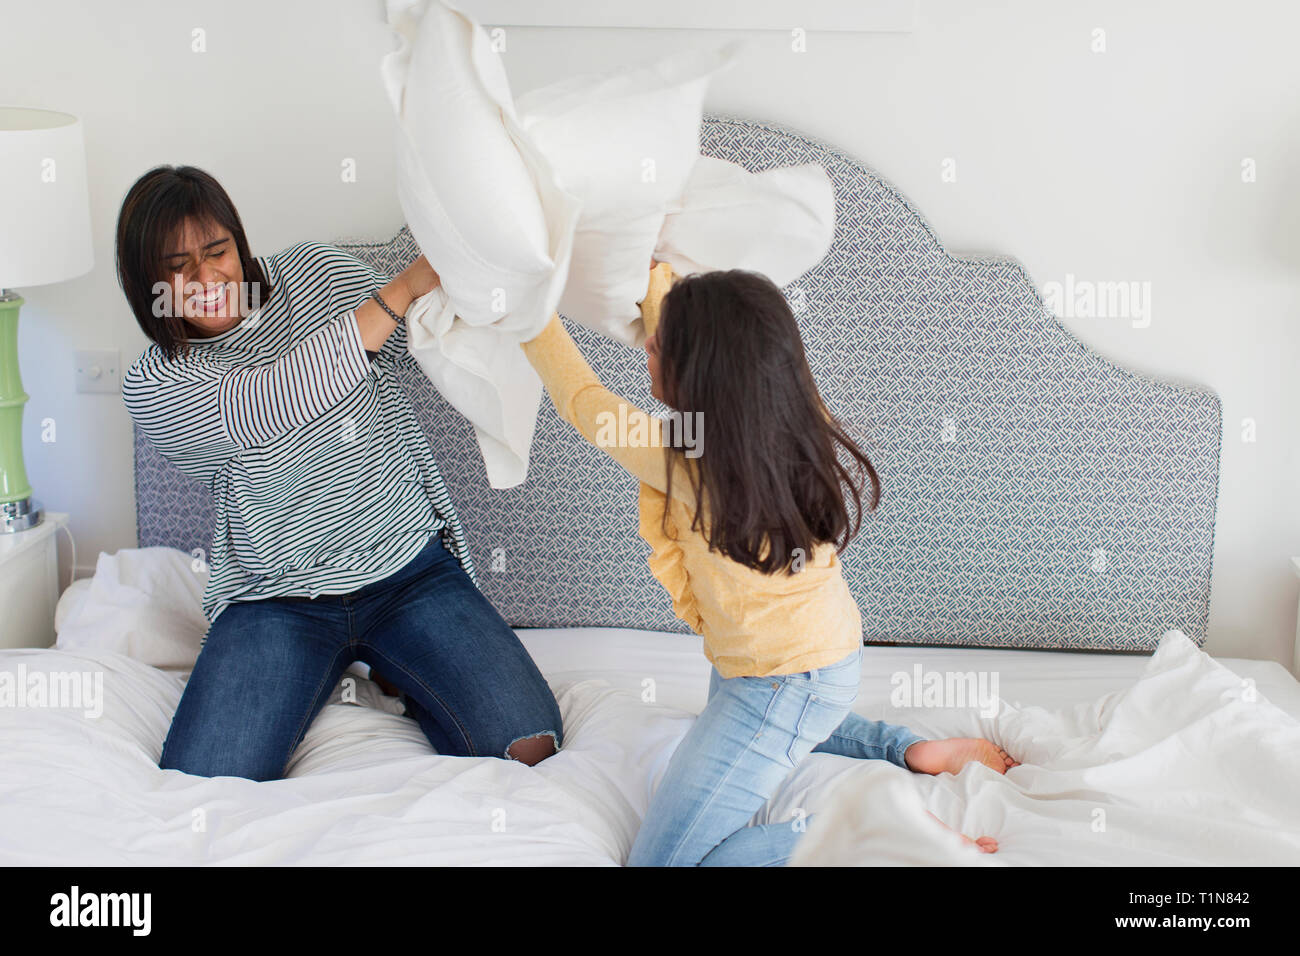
(753, 624)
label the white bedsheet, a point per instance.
(364, 786)
(1189, 765)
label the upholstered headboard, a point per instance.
(1034, 494)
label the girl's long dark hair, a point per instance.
(152, 214)
(772, 471)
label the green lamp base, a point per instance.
(18, 511)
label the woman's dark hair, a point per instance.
(770, 471)
(152, 216)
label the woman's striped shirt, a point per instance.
(321, 477)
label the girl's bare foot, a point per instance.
(985, 844)
(953, 753)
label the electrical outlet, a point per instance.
(99, 371)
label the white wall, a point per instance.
(1122, 165)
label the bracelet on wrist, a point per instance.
(384, 305)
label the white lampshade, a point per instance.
(44, 204)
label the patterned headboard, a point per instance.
(1034, 494)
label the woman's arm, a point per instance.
(373, 323)
(205, 408)
(350, 278)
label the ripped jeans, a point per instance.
(268, 667)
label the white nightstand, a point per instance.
(29, 583)
(1295, 661)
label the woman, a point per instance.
(745, 538)
(272, 381)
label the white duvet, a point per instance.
(1190, 764)
(364, 786)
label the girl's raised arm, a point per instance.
(630, 435)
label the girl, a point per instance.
(745, 537)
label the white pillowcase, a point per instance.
(487, 215)
(558, 202)
(145, 603)
(484, 375)
(724, 219)
(625, 145)
(484, 208)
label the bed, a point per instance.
(1044, 543)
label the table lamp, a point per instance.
(44, 238)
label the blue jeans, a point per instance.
(269, 667)
(753, 732)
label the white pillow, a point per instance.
(625, 145)
(559, 202)
(484, 207)
(145, 603)
(484, 375)
(723, 220)
(70, 601)
(484, 211)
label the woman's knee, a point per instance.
(532, 750)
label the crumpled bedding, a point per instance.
(556, 201)
(1189, 766)
(1174, 758)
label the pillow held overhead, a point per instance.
(557, 202)
(625, 145)
(484, 208)
(471, 199)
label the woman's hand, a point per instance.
(420, 277)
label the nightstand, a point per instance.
(29, 583)
(1295, 661)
